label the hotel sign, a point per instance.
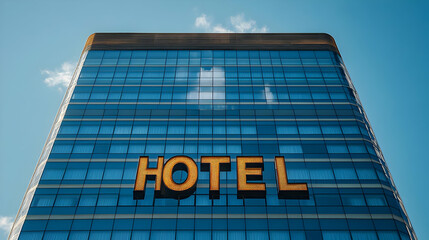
(248, 169)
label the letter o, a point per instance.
(179, 190)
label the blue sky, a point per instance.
(383, 43)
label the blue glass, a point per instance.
(295, 104)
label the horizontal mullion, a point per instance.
(214, 139)
(217, 104)
(216, 119)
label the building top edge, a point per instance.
(211, 41)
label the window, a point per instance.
(95, 171)
(67, 200)
(205, 129)
(204, 148)
(107, 200)
(364, 235)
(279, 235)
(236, 235)
(78, 235)
(248, 129)
(257, 235)
(161, 235)
(125, 235)
(376, 200)
(321, 172)
(136, 148)
(31, 236)
(75, 174)
(331, 130)
(353, 200)
(357, 148)
(88, 129)
(56, 235)
(43, 201)
(174, 148)
(113, 171)
(219, 148)
(297, 171)
(387, 235)
(130, 171)
(220, 129)
(290, 149)
(118, 148)
(287, 130)
(336, 235)
(122, 130)
(99, 235)
(234, 148)
(140, 129)
(190, 148)
(309, 129)
(176, 129)
(83, 148)
(52, 174)
(339, 148)
(106, 129)
(366, 173)
(68, 129)
(62, 148)
(155, 148)
(157, 129)
(140, 235)
(344, 171)
(88, 200)
(350, 130)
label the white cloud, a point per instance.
(241, 25)
(59, 77)
(6, 224)
(220, 29)
(237, 23)
(202, 21)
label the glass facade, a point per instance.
(299, 104)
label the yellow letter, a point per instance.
(250, 168)
(285, 189)
(215, 165)
(144, 173)
(186, 188)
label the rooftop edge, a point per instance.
(219, 41)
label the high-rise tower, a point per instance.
(278, 112)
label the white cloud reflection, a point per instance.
(207, 85)
(269, 95)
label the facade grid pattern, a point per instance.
(297, 104)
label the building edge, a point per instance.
(29, 193)
(380, 154)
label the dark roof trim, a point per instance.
(201, 41)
